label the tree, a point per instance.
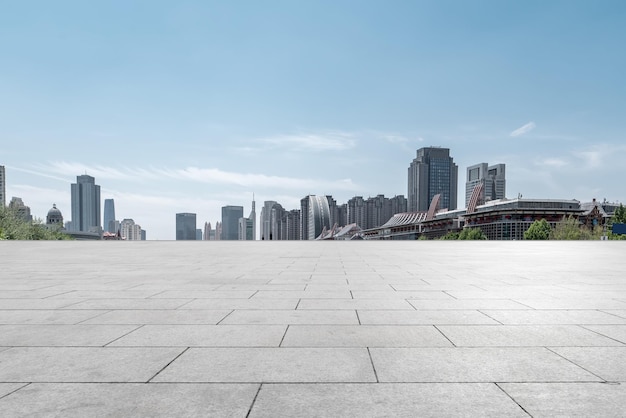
(619, 217)
(472, 234)
(14, 227)
(450, 236)
(538, 230)
(570, 229)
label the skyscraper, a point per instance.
(230, 222)
(207, 231)
(3, 187)
(492, 177)
(266, 219)
(319, 216)
(247, 226)
(109, 215)
(130, 231)
(432, 172)
(185, 227)
(85, 204)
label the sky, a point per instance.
(189, 106)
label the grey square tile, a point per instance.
(444, 317)
(318, 317)
(140, 400)
(61, 335)
(363, 336)
(569, 399)
(6, 388)
(203, 336)
(616, 332)
(607, 362)
(391, 294)
(83, 364)
(204, 294)
(46, 317)
(128, 304)
(288, 294)
(523, 336)
(160, 317)
(241, 304)
(474, 365)
(352, 304)
(270, 365)
(465, 304)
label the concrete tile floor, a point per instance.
(312, 329)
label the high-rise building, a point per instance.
(292, 220)
(218, 231)
(185, 227)
(130, 231)
(198, 234)
(493, 179)
(319, 216)
(143, 234)
(247, 226)
(398, 204)
(207, 231)
(356, 211)
(432, 172)
(266, 219)
(3, 187)
(109, 216)
(85, 205)
(230, 222)
(20, 208)
(304, 218)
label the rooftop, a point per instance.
(267, 329)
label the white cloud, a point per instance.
(332, 141)
(552, 162)
(523, 129)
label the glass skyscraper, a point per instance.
(230, 222)
(185, 227)
(109, 216)
(432, 172)
(85, 205)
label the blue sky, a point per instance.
(188, 106)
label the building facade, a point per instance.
(54, 218)
(432, 172)
(109, 216)
(185, 227)
(493, 179)
(230, 222)
(319, 216)
(130, 231)
(85, 205)
(3, 186)
(23, 211)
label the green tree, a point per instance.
(619, 217)
(450, 236)
(472, 234)
(538, 230)
(14, 227)
(570, 229)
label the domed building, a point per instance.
(54, 217)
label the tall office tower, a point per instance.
(398, 204)
(332, 208)
(207, 231)
(198, 234)
(378, 211)
(3, 187)
(276, 218)
(356, 211)
(293, 224)
(492, 178)
(266, 219)
(143, 234)
(319, 216)
(247, 226)
(218, 231)
(109, 215)
(304, 218)
(252, 219)
(185, 227)
(85, 204)
(20, 208)
(129, 230)
(432, 172)
(230, 222)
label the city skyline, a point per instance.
(192, 106)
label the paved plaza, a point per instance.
(312, 329)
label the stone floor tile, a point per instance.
(6, 388)
(203, 336)
(231, 304)
(46, 316)
(616, 332)
(67, 400)
(286, 294)
(474, 365)
(32, 304)
(460, 304)
(553, 317)
(384, 400)
(380, 317)
(523, 336)
(392, 294)
(247, 365)
(582, 303)
(363, 336)
(61, 335)
(617, 312)
(108, 294)
(358, 304)
(83, 364)
(317, 317)
(161, 317)
(132, 304)
(607, 362)
(569, 399)
(202, 294)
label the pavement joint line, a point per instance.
(513, 399)
(445, 336)
(298, 304)
(610, 313)
(252, 295)
(254, 400)
(13, 391)
(185, 303)
(283, 338)
(599, 333)
(452, 296)
(372, 363)
(122, 336)
(97, 315)
(351, 295)
(490, 317)
(157, 293)
(357, 316)
(227, 315)
(58, 294)
(164, 367)
(576, 364)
